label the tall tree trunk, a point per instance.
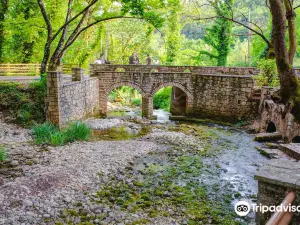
(47, 47)
(291, 16)
(289, 85)
(3, 11)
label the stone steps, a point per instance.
(292, 150)
(262, 137)
(272, 153)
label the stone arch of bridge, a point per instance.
(189, 98)
(125, 83)
(147, 108)
(172, 84)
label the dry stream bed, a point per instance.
(130, 172)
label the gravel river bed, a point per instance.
(131, 171)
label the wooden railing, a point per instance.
(20, 69)
(29, 69)
(283, 218)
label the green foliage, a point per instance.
(24, 103)
(219, 35)
(136, 101)
(43, 132)
(173, 37)
(77, 131)
(162, 99)
(47, 133)
(268, 75)
(126, 95)
(57, 138)
(3, 154)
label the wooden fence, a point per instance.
(29, 69)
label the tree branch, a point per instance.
(45, 16)
(90, 25)
(240, 23)
(208, 54)
(74, 18)
(64, 32)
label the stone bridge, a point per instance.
(211, 92)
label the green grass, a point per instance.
(3, 154)
(77, 131)
(48, 133)
(43, 132)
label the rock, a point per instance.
(68, 199)
(29, 213)
(14, 163)
(1, 181)
(261, 137)
(27, 203)
(46, 216)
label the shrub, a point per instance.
(43, 132)
(24, 103)
(3, 154)
(136, 101)
(77, 131)
(268, 75)
(162, 99)
(57, 138)
(49, 134)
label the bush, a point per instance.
(43, 132)
(24, 103)
(77, 131)
(57, 138)
(126, 96)
(47, 133)
(268, 75)
(3, 154)
(162, 99)
(136, 101)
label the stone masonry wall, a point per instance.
(274, 112)
(224, 97)
(79, 100)
(180, 69)
(221, 96)
(70, 101)
(275, 180)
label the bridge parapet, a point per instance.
(174, 69)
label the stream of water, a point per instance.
(228, 172)
(162, 115)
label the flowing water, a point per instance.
(162, 115)
(228, 171)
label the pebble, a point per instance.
(27, 203)
(14, 163)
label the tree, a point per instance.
(173, 35)
(3, 11)
(283, 13)
(289, 84)
(58, 42)
(219, 35)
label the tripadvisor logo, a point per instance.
(242, 208)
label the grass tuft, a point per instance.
(43, 132)
(77, 131)
(48, 133)
(3, 154)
